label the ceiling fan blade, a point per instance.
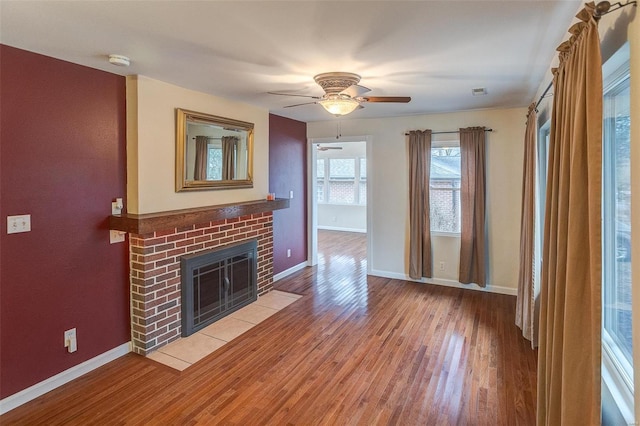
(355, 90)
(293, 94)
(400, 99)
(295, 105)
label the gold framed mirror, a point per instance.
(212, 152)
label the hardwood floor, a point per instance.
(353, 350)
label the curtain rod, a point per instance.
(605, 7)
(602, 8)
(544, 94)
(451, 131)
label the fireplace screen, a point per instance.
(216, 283)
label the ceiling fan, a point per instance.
(326, 148)
(342, 94)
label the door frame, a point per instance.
(312, 203)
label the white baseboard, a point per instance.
(447, 283)
(337, 228)
(289, 271)
(30, 393)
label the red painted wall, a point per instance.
(288, 172)
(62, 160)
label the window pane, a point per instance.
(320, 168)
(320, 192)
(342, 192)
(617, 220)
(342, 168)
(342, 172)
(363, 169)
(363, 192)
(444, 191)
(214, 163)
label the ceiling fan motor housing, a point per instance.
(336, 82)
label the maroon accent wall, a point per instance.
(288, 172)
(62, 160)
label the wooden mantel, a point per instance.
(151, 222)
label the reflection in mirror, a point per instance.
(212, 152)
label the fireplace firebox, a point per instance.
(216, 283)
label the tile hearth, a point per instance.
(186, 351)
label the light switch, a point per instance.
(16, 224)
(290, 194)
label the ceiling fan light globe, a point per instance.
(340, 106)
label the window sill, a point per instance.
(342, 204)
(445, 234)
(617, 386)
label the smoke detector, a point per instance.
(119, 60)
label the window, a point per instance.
(342, 180)
(444, 188)
(214, 163)
(541, 194)
(616, 198)
(342, 176)
(362, 199)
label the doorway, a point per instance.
(339, 206)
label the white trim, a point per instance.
(338, 228)
(370, 202)
(618, 388)
(296, 268)
(447, 283)
(312, 204)
(445, 234)
(32, 392)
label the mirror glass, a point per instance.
(212, 152)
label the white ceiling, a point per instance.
(433, 51)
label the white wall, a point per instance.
(151, 145)
(389, 199)
(342, 217)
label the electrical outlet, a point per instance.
(288, 252)
(116, 236)
(291, 194)
(71, 340)
(442, 266)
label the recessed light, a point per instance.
(119, 60)
(479, 91)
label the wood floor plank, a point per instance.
(355, 349)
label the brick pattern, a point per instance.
(155, 272)
(444, 200)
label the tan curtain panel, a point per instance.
(525, 302)
(202, 155)
(570, 298)
(229, 148)
(472, 203)
(419, 223)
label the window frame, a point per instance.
(617, 370)
(542, 165)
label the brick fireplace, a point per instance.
(156, 243)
